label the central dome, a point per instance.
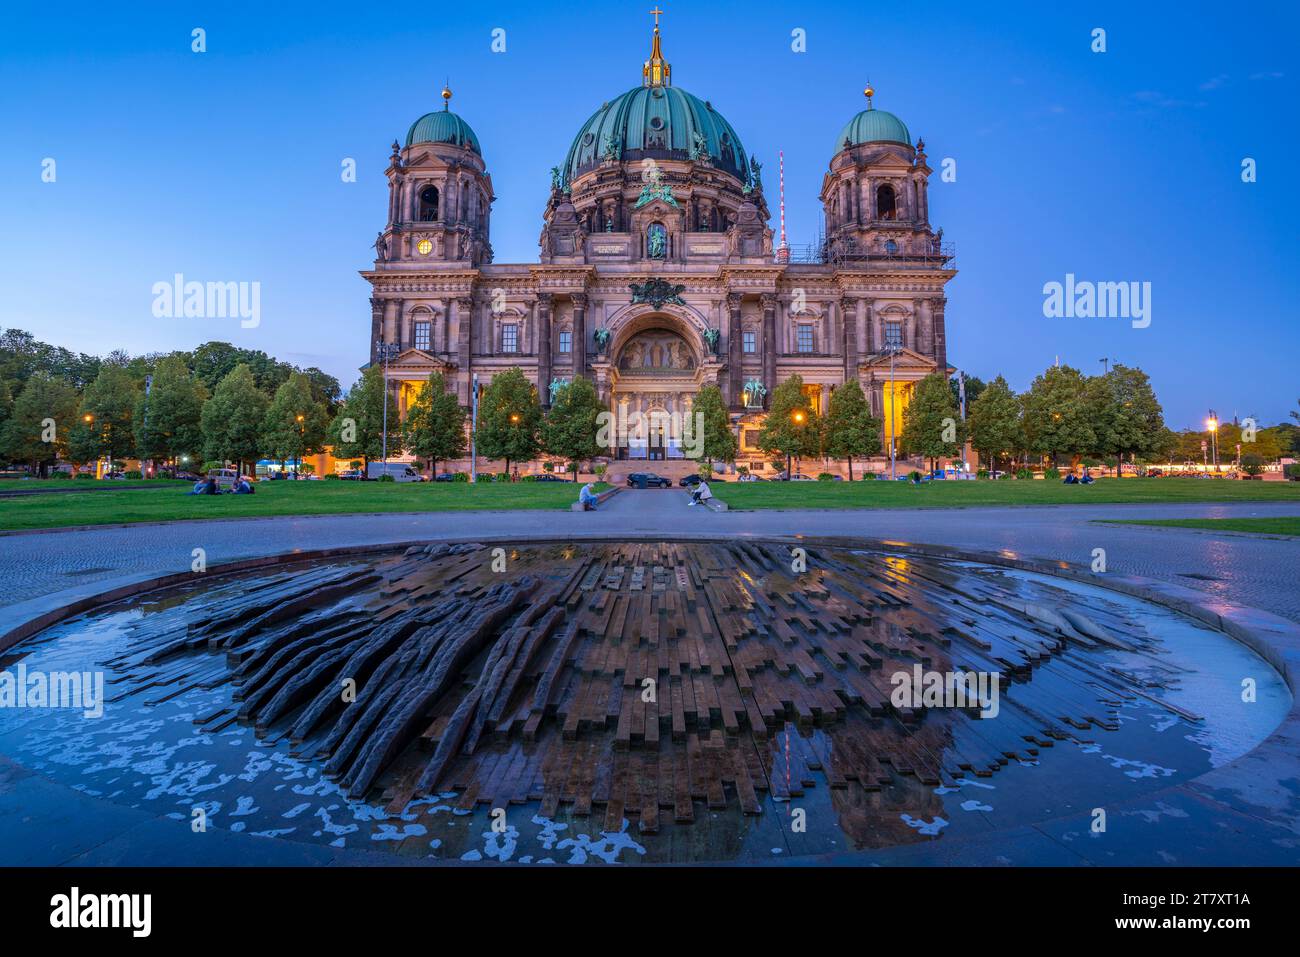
(658, 122)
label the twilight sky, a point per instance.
(225, 166)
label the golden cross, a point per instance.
(657, 13)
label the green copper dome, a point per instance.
(657, 122)
(873, 126)
(443, 127)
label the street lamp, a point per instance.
(893, 399)
(386, 351)
(302, 441)
(797, 417)
(1213, 425)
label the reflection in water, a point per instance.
(634, 703)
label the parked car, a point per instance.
(548, 477)
(751, 477)
(400, 471)
(445, 477)
(350, 475)
(650, 478)
(226, 478)
(796, 477)
(690, 481)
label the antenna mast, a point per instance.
(783, 251)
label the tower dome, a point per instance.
(443, 126)
(872, 126)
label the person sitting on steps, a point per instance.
(588, 498)
(701, 495)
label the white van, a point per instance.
(226, 478)
(400, 471)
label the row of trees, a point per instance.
(216, 402)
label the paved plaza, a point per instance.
(1259, 571)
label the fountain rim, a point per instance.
(1273, 639)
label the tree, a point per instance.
(716, 441)
(930, 426)
(509, 418)
(325, 388)
(994, 422)
(571, 424)
(435, 424)
(213, 361)
(232, 419)
(295, 424)
(358, 429)
(42, 420)
(1127, 417)
(850, 428)
(106, 425)
(791, 429)
(168, 421)
(1058, 413)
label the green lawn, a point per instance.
(171, 502)
(1281, 525)
(949, 494)
(85, 485)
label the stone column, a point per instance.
(376, 325)
(390, 320)
(445, 344)
(940, 335)
(401, 338)
(769, 344)
(734, 371)
(926, 340)
(544, 348)
(464, 344)
(579, 334)
(850, 314)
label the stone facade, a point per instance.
(657, 273)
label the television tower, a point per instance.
(783, 250)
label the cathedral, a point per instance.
(657, 273)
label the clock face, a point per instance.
(424, 246)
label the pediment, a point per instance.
(418, 357)
(904, 358)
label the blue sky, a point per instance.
(225, 165)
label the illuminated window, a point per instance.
(510, 337)
(893, 336)
(421, 335)
(566, 340)
(805, 339)
(424, 246)
(750, 341)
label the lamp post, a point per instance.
(797, 417)
(473, 428)
(893, 398)
(1213, 425)
(297, 472)
(386, 351)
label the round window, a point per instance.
(588, 139)
(656, 123)
(424, 247)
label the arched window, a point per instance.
(428, 204)
(886, 204)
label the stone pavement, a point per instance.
(1245, 569)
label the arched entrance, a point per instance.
(656, 368)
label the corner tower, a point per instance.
(439, 195)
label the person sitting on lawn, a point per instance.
(1087, 477)
(588, 498)
(205, 486)
(1070, 479)
(702, 493)
(243, 486)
